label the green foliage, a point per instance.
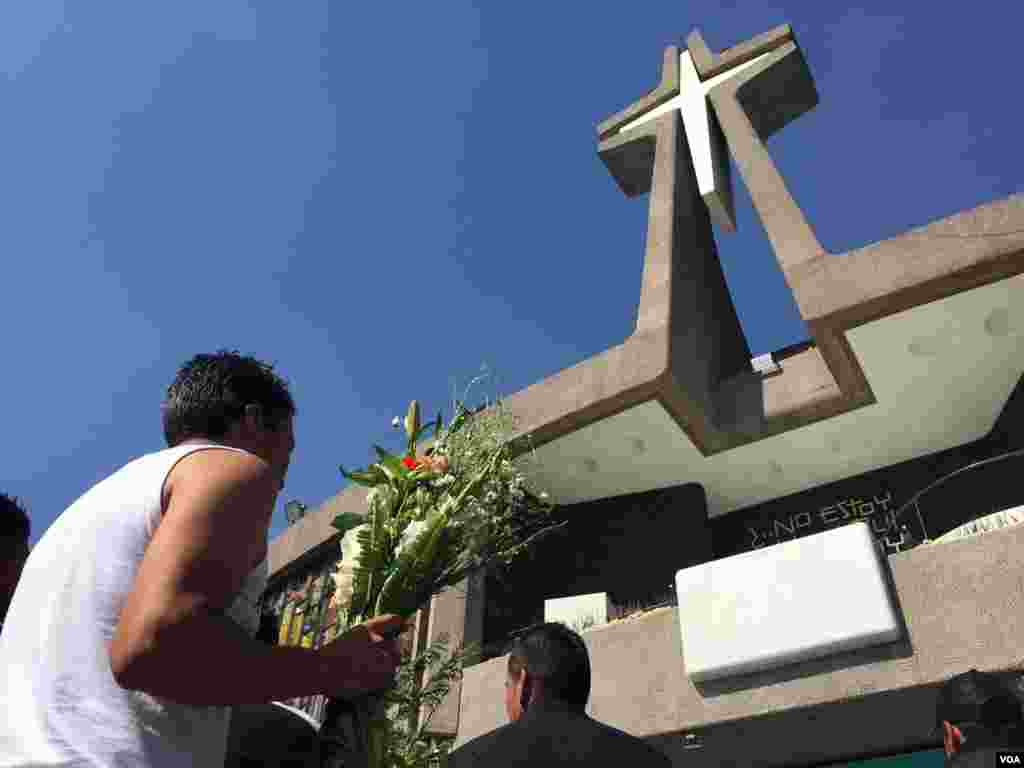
(423, 683)
(414, 573)
(369, 571)
(346, 521)
(390, 464)
(371, 477)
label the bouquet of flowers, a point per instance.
(434, 517)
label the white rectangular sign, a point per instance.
(802, 599)
(579, 611)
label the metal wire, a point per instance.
(941, 481)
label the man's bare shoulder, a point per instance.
(217, 467)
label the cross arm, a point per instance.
(710, 64)
(667, 89)
(629, 157)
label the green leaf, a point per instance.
(375, 563)
(346, 521)
(461, 414)
(368, 478)
(390, 463)
(368, 574)
(402, 593)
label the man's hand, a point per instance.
(365, 658)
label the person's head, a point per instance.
(15, 529)
(548, 663)
(235, 400)
(975, 710)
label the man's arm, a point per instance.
(172, 639)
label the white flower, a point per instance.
(350, 547)
(396, 422)
(543, 495)
(410, 534)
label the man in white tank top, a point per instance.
(118, 649)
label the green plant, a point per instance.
(433, 518)
(424, 682)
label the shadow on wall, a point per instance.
(628, 546)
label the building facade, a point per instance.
(673, 449)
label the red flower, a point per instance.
(410, 462)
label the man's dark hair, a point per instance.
(978, 699)
(210, 393)
(15, 527)
(557, 655)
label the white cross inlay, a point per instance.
(707, 144)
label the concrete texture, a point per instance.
(711, 64)
(297, 542)
(458, 614)
(962, 605)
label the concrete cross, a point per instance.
(703, 134)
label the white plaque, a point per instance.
(791, 602)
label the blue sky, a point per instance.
(381, 199)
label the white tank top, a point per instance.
(59, 703)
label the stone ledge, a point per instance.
(944, 591)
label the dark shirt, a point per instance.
(981, 748)
(550, 734)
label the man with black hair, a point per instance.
(123, 646)
(546, 696)
(979, 714)
(15, 529)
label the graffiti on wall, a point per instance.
(877, 510)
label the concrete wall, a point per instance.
(986, 490)
(297, 542)
(963, 603)
(458, 614)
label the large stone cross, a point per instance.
(729, 103)
(675, 143)
(707, 143)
